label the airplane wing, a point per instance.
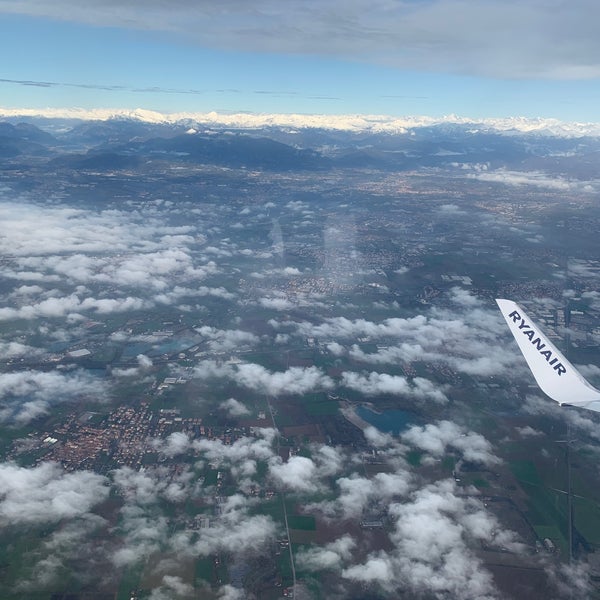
(555, 375)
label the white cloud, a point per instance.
(466, 341)
(60, 307)
(227, 340)
(535, 179)
(297, 474)
(432, 535)
(138, 260)
(234, 408)
(25, 395)
(228, 592)
(375, 384)
(295, 380)
(436, 438)
(236, 531)
(330, 556)
(46, 494)
(144, 365)
(172, 588)
(16, 349)
(276, 303)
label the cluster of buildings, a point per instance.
(128, 436)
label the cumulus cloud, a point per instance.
(435, 528)
(298, 474)
(144, 362)
(436, 438)
(171, 588)
(46, 494)
(528, 431)
(10, 350)
(228, 592)
(234, 408)
(329, 556)
(73, 304)
(276, 303)
(432, 535)
(295, 380)
(175, 443)
(236, 531)
(26, 395)
(466, 341)
(375, 384)
(356, 493)
(227, 340)
(241, 457)
(143, 260)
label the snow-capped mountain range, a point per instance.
(349, 123)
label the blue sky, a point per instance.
(493, 58)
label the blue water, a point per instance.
(388, 421)
(168, 346)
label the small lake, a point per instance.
(388, 421)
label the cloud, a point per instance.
(296, 380)
(305, 475)
(375, 384)
(76, 545)
(46, 494)
(329, 556)
(535, 179)
(176, 443)
(464, 339)
(432, 535)
(436, 438)
(492, 38)
(228, 592)
(297, 474)
(131, 261)
(144, 533)
(234, 408)
(172, 588)
(528, 431)
(435, 532)
(241, 457)
(227, 340)
(26, 395)
(357, 493)
(143, 527)
(60, 307)
(235, 531)
(571, 579)
(144, 365)
(276, 303)
(16, 349)
(464, 298)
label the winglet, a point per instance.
(555, 375)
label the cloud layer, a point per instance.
(492, 38)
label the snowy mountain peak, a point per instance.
(349, 123)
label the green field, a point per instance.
(547, 509)
(304, 522)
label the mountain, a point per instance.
(24, 138)
(346, 123)
(128, 142)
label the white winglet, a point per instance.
(555, 375)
